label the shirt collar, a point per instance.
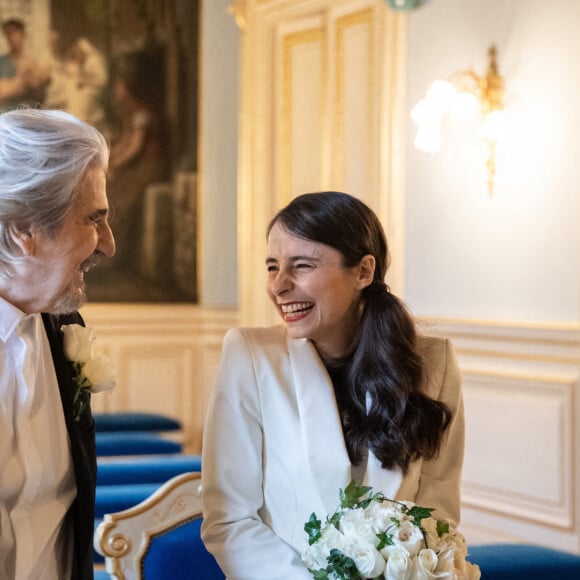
(10, 318)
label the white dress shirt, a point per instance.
(37, 484)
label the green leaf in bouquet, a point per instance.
(319, 574)
(419, 513)
(384, 540)
(335, 518)
(312, 528)
(343, 567)
(353, 494)
(442, 528)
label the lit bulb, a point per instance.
(441, 94)
(425, 112)
(464, 107)
(428, 139)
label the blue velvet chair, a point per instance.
(114, 498)
(134, 421)
(130, 470)
(159, 538)
(524, 562)
(119, 443)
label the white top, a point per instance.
(37, 484)
(274, 452)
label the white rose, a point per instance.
(425, 566)
(408, 536)
(367, 559)
(315, 556)
(77, 342)
(399, 565)
(380, 515)
(100, 373)
(363, 525)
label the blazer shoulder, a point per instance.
(438, 362)
(432, 348)
(258, 336)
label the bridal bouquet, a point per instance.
(371, 536)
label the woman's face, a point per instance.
(316, 295)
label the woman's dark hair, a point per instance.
(402, 424)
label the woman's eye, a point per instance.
(271, 268)
(303, 266)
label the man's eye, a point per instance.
(303, 266)
(272, 268)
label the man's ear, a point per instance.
(366, 272)
(25, 239)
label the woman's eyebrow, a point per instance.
(293, 259)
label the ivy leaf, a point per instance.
(419, 513)
(342, 566)
(335, 518)
(352, 495)
(319, 574)
(384, 540)
(442, 528)
(312, 528)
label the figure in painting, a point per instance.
(138, 160)
(22, 79)
(88, 68)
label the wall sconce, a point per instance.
(463, 97)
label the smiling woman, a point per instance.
(344, 390)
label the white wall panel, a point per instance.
(519, 446)
(522, 410)
(165, 359)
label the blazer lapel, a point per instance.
(82, 446)
(320, 422)
(62, 370)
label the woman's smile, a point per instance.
(294, 311)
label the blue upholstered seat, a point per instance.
(114, 498)
(105, 422)
(112, 443)
(179, 554)
(129, 470)
(160, 537)
(524, 562)
(102, 575)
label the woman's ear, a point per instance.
(366, 272)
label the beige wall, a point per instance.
(218, 141)
(513, 257)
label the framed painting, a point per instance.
(130, 68)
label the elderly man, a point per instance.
(53, 229)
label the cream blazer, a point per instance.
(274, 452)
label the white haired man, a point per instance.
(53, 228)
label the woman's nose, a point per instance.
(280, 284)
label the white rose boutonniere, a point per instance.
(93, 372)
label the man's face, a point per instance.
(83, 240)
